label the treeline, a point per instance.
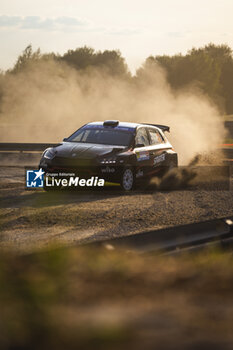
(81, 59)
(209, 69)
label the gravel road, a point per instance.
(31, 219)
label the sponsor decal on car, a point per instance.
(159, 159)
(144, 155)
(108, 170)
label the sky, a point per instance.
(137, 28)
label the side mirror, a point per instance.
(65, 139)
(138, 145)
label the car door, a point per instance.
(156, 150)
(142, 145)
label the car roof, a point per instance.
(124, 124)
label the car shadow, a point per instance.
(40, 198)
(22, 197)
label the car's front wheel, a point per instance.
(127, 179)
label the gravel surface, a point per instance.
(31, 219)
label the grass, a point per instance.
(85, 298)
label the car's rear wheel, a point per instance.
(127, 179)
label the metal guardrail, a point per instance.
(174, 238)
(229, 126)
(228, 152)
(25, 147)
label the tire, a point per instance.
(127, 179)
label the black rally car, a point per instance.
(115, 151)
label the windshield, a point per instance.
(104, 136)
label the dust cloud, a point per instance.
(49, 100)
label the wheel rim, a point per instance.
(127, 179)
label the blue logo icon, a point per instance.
(35, 178)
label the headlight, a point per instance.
(111, 160)
(49, 153)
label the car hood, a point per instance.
(85, 150)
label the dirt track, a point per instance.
(32, 219)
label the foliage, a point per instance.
(25, 58)
(210, 68)
(85, 57)
(94, 298)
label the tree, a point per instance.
(222, 56)
(84, 57)
(25, 58)
(80, 58)
(210, 68)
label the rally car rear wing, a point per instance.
(162, 127)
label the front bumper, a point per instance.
(83, 169)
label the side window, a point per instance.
(85, 135)
(82, 136)
(155, 137)
(78, 137)
(142, 137)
